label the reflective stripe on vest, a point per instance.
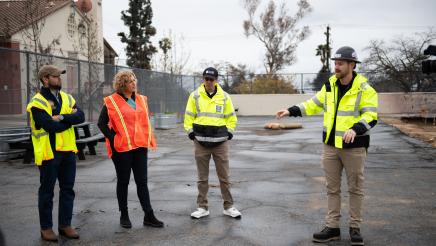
(122, 121)
(148, 120)
(132, 126)
(211, 139)
(197, 106)
(41, 134)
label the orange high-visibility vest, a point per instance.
(132, 127)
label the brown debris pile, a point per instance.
(277, 126)
(423, 129)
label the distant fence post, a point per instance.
(27, 85)
(301, 84)
(79, 98)
(27, 77)
(181, 104)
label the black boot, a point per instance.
(124, 219)
(327, 234)
(355, 236)
(150, 220)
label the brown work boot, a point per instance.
(49, 235)
(68, 232)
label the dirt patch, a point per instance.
(419, 128)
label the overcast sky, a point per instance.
(213, 28)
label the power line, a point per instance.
(374, 26)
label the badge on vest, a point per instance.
(219, 108)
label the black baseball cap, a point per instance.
(210, 72)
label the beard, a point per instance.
(55, 86)
(340, 75)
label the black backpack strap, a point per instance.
(328, 87)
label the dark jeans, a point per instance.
(63, 168)
(124, 162)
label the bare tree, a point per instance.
(32, 13)
(277, 30)
(396, 66)
(174, 56)
(33, 16)
(235, 75)
(94, 81)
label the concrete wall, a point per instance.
(419, 103)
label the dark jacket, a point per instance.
(45, 121)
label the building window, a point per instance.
(71, 26)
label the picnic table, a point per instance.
(85, 138)
(15, 141)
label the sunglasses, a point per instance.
(209, 79)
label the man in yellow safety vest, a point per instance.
(210, 121)
(52, 114)
(350, 111)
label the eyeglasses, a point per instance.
(209, 79)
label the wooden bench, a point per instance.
(22, 144)
(85, 138)
(16, 142)
(19, 143)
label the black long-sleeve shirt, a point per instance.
(45, 121)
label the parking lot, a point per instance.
(277, 184)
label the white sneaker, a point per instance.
(232, 212)
(201, 212)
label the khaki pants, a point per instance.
(333, 161)
(220, 156)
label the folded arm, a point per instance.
(45, 121)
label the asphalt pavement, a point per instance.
(277, 184)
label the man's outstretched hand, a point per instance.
(282, 113)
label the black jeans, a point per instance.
(62, 168)
(124, 162)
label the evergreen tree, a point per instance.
(139, 49)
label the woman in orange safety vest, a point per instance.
(124, 121)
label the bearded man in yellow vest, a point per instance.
(350, 111)
(52, 116)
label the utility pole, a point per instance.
(327, 48)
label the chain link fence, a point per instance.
(87, 82)
(90, 82)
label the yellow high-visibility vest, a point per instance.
(65, 141)
(217, 111)
(359, 104)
